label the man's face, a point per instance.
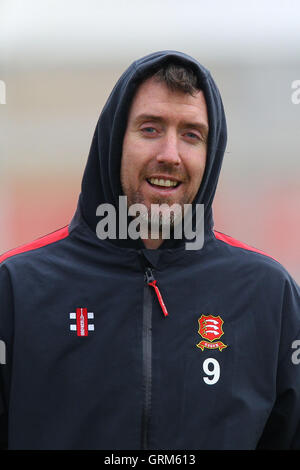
(164, 147)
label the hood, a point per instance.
(101, 180)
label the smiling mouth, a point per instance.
(163, 183)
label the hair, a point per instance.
(178, 78)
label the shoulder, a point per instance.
(248, 257)
(228, 240)
(34, 246)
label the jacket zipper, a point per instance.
(147, 349)
(152, 282)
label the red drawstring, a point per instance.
(160, 299)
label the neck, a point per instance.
(151, 244)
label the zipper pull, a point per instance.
(152, 282)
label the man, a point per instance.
(140, 343)
(164, 147)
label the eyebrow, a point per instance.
(203, 128)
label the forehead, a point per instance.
(153, 97)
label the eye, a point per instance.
(148, 130)
(192, 135)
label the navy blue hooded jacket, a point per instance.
(91, 360)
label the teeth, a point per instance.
(162, 182)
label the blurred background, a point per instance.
(60, 60)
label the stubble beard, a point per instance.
(156, 220)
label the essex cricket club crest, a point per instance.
(210, 328)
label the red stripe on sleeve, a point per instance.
(233, 242)
(43, 241)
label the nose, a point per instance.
(168, 151)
